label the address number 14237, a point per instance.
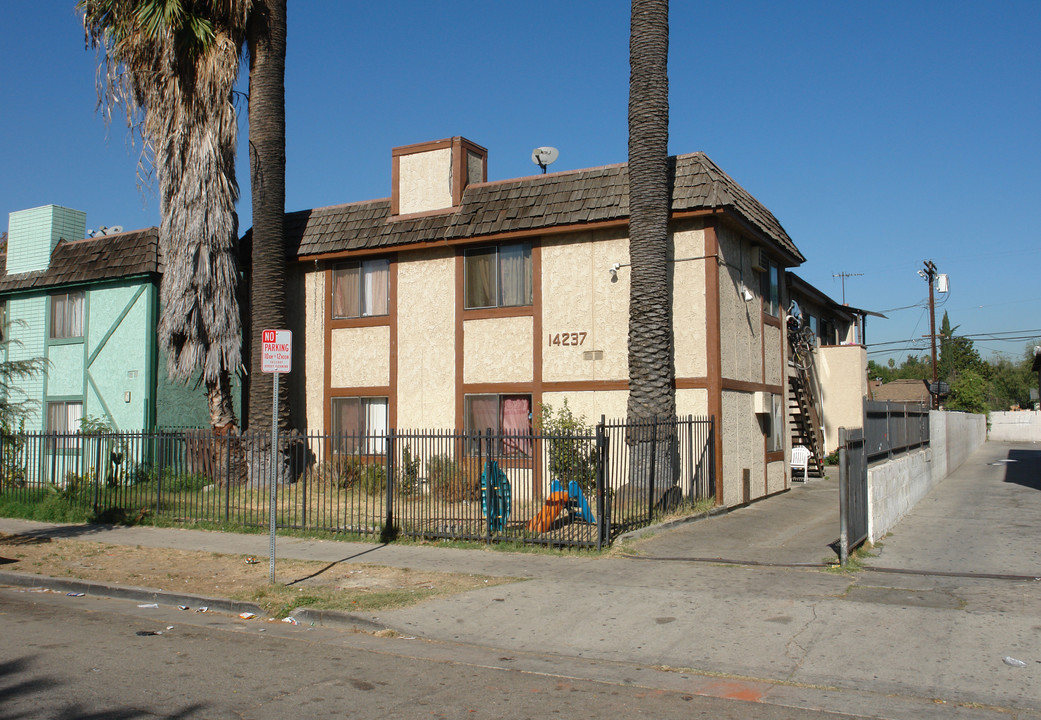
(568, 338)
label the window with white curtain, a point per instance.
(775, 431)
(360, 425)
(67, 315)
(361, 289)
(64, 418)
(497, 276)
(508, 417)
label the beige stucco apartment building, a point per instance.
(462, 303)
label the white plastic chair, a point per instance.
(800, 460)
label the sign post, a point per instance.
(276, 357)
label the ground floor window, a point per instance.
(360, 425)
(507, 416)
(63, 418)
(775, 424)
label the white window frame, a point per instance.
(67, 315)
(373, 426)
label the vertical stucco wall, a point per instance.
(497, 350)
(426, 339)
(742, 448)
(741, 341)
(842, 376)
(590, 405)
(688, 314)
(305, 290)
(425, 181)
(119, 330)
(360, 357)
(583, 305)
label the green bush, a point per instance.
(572, 456)
(454, 482)
(408, 473)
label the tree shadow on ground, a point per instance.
(22, 690)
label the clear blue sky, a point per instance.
(879, 134)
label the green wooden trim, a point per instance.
(86, 332)
(151, 358)
(64, 398)
(115, 326)
(101, 399)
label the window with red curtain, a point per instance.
(506, 416)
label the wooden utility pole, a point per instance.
(929, 274)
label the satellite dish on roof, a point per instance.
(102, 230)
(543, 156)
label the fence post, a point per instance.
(227, 483)
(388, 520)
(654, 458)
(843, 499)
(601, 453)
(159, 473)
(690, 456)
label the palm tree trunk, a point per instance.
(652, 391)
(266, 38)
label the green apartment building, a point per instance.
(90, 306)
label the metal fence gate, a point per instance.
(853, 491)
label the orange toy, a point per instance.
(555, 503)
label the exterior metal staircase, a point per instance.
(804, 418)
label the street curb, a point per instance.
(668, 525)
(336, 619)
(129, 592)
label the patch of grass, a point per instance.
(856, 560)
(280, 600)
(45, 507)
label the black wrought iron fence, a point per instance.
(891, 428)
(579, 489)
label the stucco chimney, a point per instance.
(430, 177)
(32, 235)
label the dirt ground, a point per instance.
(337, 586)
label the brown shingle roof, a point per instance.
(108, 257)
(905, 391)
(532, 203)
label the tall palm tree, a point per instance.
(652, 390)
(266, 40)
(172, 65)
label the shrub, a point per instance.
(408, 473)
(572, 456)
(454, 482)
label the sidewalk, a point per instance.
(895, 644)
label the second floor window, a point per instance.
(361, 289)
(497, 276)
(770, 289)
(67, 315)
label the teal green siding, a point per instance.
(34, 233)
(27, 332)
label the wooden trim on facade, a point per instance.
(713, 347)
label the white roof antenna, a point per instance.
(544, 156)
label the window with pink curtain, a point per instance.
(516, 424)
(506, 415)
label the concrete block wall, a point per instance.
(896, 486)
(1018, 426)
